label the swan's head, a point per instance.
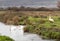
(49, 17)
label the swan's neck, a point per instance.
(50, 17)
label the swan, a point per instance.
(50, 19)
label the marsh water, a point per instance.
(17, 33)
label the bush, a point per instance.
(29, 28)
(5, 38)
(42, 21)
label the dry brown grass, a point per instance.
(5, 15)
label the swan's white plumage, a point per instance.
(50, 19)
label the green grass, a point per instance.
(5, 38)
(44, 21)
(42, 26)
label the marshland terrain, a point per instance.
(29, 20)
(37, 22)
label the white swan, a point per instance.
(50, 19)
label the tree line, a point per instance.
(23, 8)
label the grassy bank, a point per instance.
(5, 38)
(44, 28)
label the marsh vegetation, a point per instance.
(36, 22)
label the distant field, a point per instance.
(3, 12)
(46, 13)
(11, 14)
